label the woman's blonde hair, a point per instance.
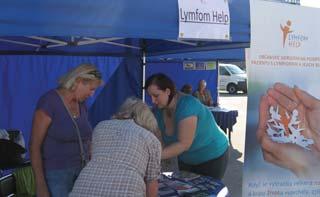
(86, 72)
(134, 108)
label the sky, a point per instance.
(311, 3)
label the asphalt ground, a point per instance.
(233, 176)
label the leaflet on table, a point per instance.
(186, 182)
(185, 176)
(218, 109)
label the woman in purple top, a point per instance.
(54, 146)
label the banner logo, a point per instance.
(285, 31)
(290, 38)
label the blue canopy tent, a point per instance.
(40, 40)
(106, 27)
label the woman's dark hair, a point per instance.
(186, 88)
(163, 82)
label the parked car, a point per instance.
(232, 78)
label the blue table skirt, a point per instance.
(226, 119)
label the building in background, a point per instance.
(291, 1)
(288, 1)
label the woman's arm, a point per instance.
(152, 188)
(186, 132)
(209, 98)
(41, 122)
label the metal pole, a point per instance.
(218, 81)
(144, 63)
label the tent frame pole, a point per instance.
(144, 64)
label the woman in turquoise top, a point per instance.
(188, 129)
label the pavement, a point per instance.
(233, 175)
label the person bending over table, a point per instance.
(55, 153)
(126, 155)
(188, 129)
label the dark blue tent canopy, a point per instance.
(106, 27)
(40, 40)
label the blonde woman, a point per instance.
(55, 148)
(125, 156)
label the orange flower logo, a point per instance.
(285, 31)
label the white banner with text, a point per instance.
(282, 153)
(204, 20)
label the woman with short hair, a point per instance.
(126, 155)
(203, 94)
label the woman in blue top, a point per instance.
(188, 129)
(55, 151)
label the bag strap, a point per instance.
(82, 154)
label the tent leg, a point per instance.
(144, 63)
(218, 82)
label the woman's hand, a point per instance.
(43, 191)
(303, 163)
(307, 106)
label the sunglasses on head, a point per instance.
(96, 73)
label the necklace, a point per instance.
(74, 111)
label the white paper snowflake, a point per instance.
(284, 128)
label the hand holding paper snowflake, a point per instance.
(284, 128)
(289, 125)
(304, 108)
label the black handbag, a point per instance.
(10, 154)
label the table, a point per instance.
(225, 118)
(189, 184)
